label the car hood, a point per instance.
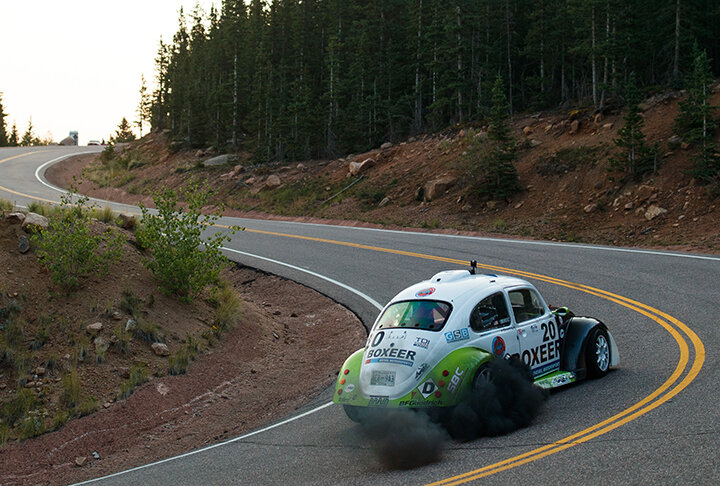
(395, 361)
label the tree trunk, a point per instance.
(417, 128)
(509, 63)
(676, 60)
(592, 56)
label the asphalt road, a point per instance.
(654, 420)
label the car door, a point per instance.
(537, 331)
(492, 326)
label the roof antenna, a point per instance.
(473, 267)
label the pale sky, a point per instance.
(76, 64)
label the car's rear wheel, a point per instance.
(356, 414)
(483, 378)
(597, 353)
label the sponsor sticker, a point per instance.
(498, 346)
(422, 343)
(378, 402)
(457, 335)
(425, 292)
(391, 355)
(427, 388)
(349, 388)
(456, 380)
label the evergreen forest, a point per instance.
(298, 79)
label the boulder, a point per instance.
(357, 168)
(386, 145)
(273, 182)
(34, 222)
(67, 141)
(534, 143)
(590, 208)
(94, 328)
(674, 142)
(301, 166)
(15, 218)
(645, 192)
(223, 159)
(654, 211)
(527, 130)
(126, 221)
(574, 127)
(160, 349)
(437, 187)
(23, 244)
(130, 325)
(384, 202)
(101, 346)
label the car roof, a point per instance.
(455, 285)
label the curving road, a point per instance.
(652, 421)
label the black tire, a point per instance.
(483, 377)
(356, 414)
(597, 353)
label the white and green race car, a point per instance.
(430, 345)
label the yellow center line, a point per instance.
(662, 394)
(669, 389)
(20, 193)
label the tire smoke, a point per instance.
(405, 439)
(507, 402)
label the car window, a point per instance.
(429, 315)
(526, 304)
(489, 313)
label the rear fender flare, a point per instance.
(575, 342)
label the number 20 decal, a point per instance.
(549, 331)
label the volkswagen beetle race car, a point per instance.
(431, 343)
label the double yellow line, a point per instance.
(685, 371)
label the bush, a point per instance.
(70, 395)
(174, 237)
(18, 407)
(227, 309)
(178, 363)
(69, 249)
(6, 205)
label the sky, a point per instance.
(77, 65)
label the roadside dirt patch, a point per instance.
(262, 369)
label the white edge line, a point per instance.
(270, 427)
(380, 230)
(499, 240)
(314, 274)
(305, 414)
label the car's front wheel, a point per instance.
(597, 353)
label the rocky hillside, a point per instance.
(569, 192)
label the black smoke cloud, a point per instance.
(509, 401)
(405, 439)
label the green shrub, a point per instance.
(138, 376)
(130, 303)
(227, 309)
(148, 332)
(69, 249)
(31, 427)
(60, 419)
(18, 407)
(6, 205)
(123, 339)
(37, 208)
(174, 237)
(70, 394)
(178, 362)
(4, 434)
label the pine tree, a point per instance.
(636, 157)
(3, 125)
(493, 161)
(695, 122)
(29, 137)
(144, 108)
(13, 138)
(123, 133)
